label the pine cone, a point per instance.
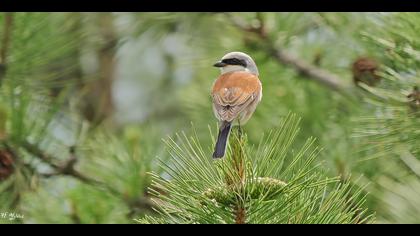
(414, 98)
(365, 71)
(6, 164)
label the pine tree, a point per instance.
(65, 157)
(272, 183)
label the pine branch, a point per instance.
(240, 215)
(270, 185)
(238, 164)
(64, 169)
(5, 42)
(310, 71)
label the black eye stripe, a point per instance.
(234, 61)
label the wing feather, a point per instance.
(233, 93)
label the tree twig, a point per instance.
(68, 169)
(306, 69)
(7, 30)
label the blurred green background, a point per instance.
(86, 99)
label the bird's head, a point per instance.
(237, 61)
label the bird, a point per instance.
(235, 95)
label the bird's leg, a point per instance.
(239, 130)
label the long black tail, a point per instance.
(219, 149)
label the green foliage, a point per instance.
(33, 116)
(72, 203)
(396, 116)
(272, 184)
(398, 191)
(391, 134)
(42, 127)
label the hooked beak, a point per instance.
(219, 64)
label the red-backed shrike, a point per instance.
(236, 94)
